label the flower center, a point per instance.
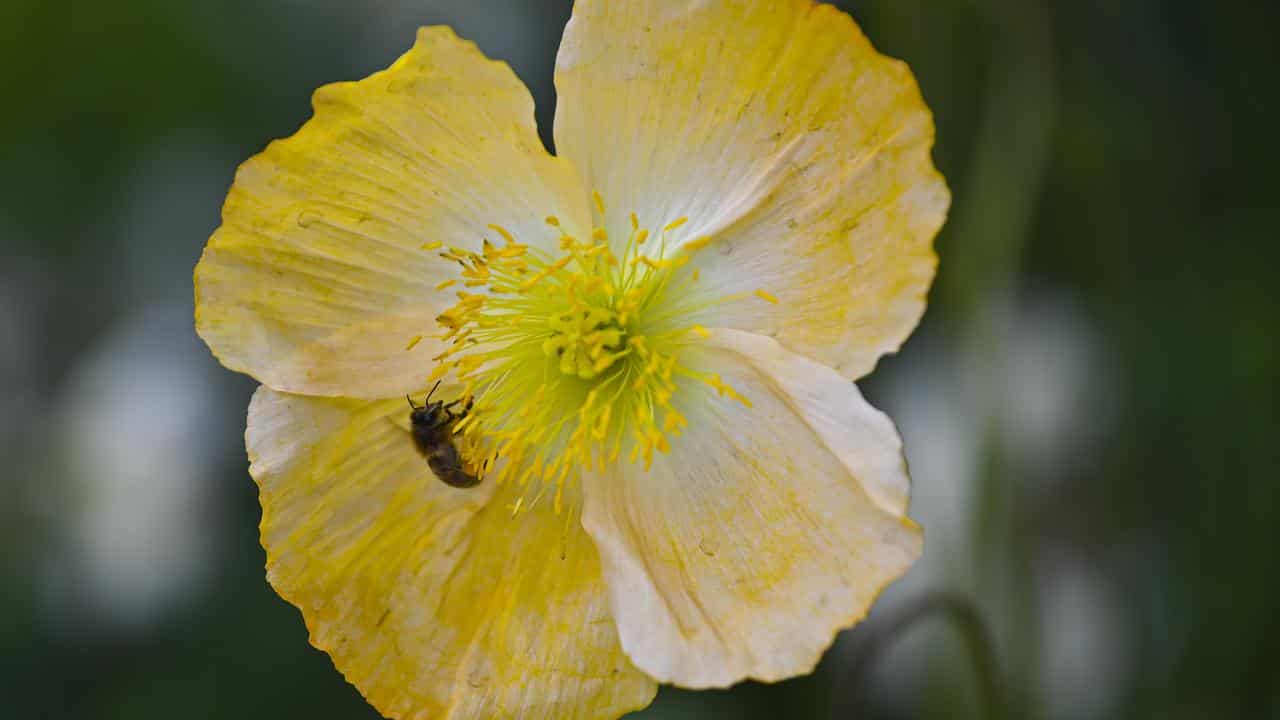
(585, 340)
(573, 360)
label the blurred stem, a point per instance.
(990, 228)
(997, 200)
(964, 617)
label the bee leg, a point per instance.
(470, 402)
(451, 416)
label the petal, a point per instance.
(763, 532)
(781, 134)
(317, 280)
(433, 601)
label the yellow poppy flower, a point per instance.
(647, 343)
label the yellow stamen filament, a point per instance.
(697, 244)
(504, 233)
(571, 361)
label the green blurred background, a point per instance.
(1087, 406)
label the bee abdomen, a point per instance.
(447, 465)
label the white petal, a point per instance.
(763, 532)
(435, 602)
(778, 131)
(317, 282)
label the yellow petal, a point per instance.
(742, 551)
(779, 132)
(433, 601)
(325, 268)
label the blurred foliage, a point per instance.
(1124, 152)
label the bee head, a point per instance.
(430, 414)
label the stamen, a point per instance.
(569, 360)
(503, 232)
(697, 243)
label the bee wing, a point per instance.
(401, 421)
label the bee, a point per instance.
(432, 426)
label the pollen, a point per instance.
(572, 356)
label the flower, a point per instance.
(650, 339)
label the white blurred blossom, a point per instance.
(138, 423)
(134, 432)
(1038, 388)
(1086, 644)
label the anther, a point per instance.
(503, 232)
